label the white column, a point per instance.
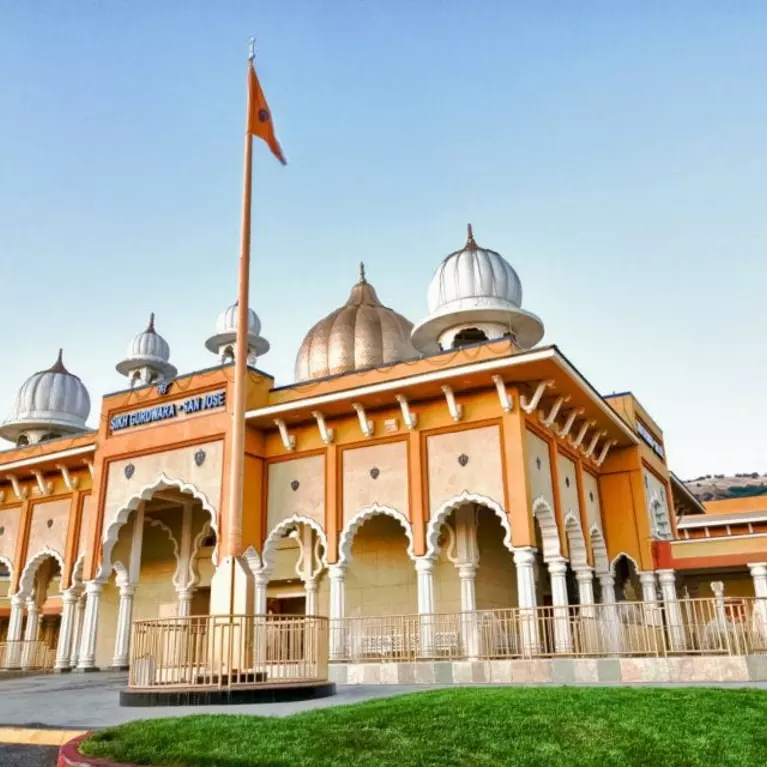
(759, 576)
(68, 614)
(588, 617)
(674, 622)
(524, 559)
(77, 631)
(89, 632)
(563, 638)
(30, 632)
(310, 589)
(723, 635)
(652, 609)
(124, 624)
(261, 578)
(337, 575)
(424, 568)
(610, 619)
(15, 628)
(467, 577)
(184, 609)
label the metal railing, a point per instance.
(221, 651)
(686, 627)
(26, 655)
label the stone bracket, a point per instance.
(456, 410)
(529, 405)
(408, 416)
(288, 440)
(367, 427)
(507, 404)
(326, 434)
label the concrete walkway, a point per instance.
(90, 701)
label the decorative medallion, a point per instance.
(2, 530)
(294, 485)
(199, 457)
(129, 470)
(567, 481)
(538, 463)
(463, 459)
(591, 496)
(374, 472)
(163, 387)
(263, 115)
(49, 524)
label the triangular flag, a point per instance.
(260, 118)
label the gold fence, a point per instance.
(222, 651)
(689, 626)
(26, 655)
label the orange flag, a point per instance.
(260, 118)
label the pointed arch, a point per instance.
(626, 556)
(579, 558)
(163, 482)
(27, 580)
(7, 562)
(354, 524)
(552, 548)
(443, 512)
(599, 552)
(279, 529)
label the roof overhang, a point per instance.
(38, 461)
(677, 484)
(519, 367)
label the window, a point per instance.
(49, 435)
(468, 336)
(22, 441)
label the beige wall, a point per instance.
(496, 575)
(9, 520)
(736, 584)
(55, 536)
(539, 469)
(389, 488)
(447, 587)
(82, 546)
(591, 498)
(176, 464)
(308, 500)
(381, 578)
(482, 474)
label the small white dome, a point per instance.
(227, 321)
(52, 400)
(225, 338)
(475, 296)
(474, 277)
(149, 350)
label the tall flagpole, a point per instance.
(237, 454)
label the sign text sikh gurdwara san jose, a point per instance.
(171, 410)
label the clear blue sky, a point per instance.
(615, 153)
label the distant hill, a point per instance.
(716, 487)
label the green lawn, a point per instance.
(568, 726)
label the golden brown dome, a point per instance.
(362, 333)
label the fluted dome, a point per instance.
(148, 350)
(362, 333)
(53, 401)
(477, 291)
(223, 342)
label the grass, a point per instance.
(469, 727)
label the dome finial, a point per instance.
(150, 326)
(362, 272)
(470, 237)
(58, 366)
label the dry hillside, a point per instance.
(714, 487)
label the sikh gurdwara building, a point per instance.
(456, 467)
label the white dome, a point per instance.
(150, 350)
(52, 400)
(475, 296)
(474, 277)
(227, 321)
(225, 336)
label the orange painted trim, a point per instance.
(73, 536)
(517, 482)
(559, 514)
(582, 510)
(333, 501)
(20, 557)
(268, 461)
(417, 483)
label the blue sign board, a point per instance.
(164, 412)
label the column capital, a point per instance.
(524, 556)
(467, 571)
(557, 566)
(424, 564)
(607, 578)
(94, 587)
(647, 577)
(311, 585)
(717, 587)
(262, 576)
(584, 575)
(667, 576)
(758, 568)
(127, 590)
(185, 593)
(70, 596)
(32, 606)
(17, 600)
(337, 572)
